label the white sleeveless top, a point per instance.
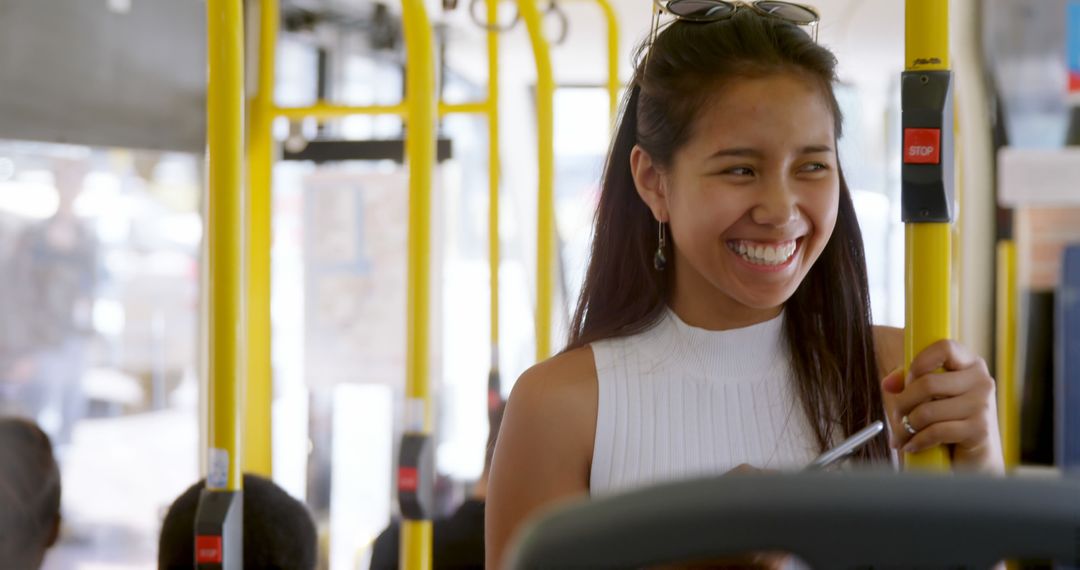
(677, 402)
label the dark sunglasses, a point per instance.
(715, 10)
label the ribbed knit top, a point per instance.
(676, 401)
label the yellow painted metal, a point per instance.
(926, 35)
(477, 108)
(258, 447)
(420, 153)
(323, 111)
(545, 223)
(928, 276)
(928, 251)
(1005, 365)
(225, 224)
(613, 83)
(493, 179)
(416, 540)
(420, 100)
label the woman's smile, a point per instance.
(766, 256)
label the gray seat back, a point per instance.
(828, 520)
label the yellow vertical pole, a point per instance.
(260, 386)
(493, 196)
(1005, 365)
(545, 211)
(928, 243)
(416, 535)
(613, 83)
(225, 226)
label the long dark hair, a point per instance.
(827, 321)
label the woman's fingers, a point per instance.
(893, 383)
(944, 354)
(969, 433)
(743, 469)
(937, 386)
(925, 415)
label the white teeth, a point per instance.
(764, 254)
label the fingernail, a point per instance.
(909, 448)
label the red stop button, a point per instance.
(922, 146)
(208, 549)
(408, 479)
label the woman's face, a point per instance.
(752, 197)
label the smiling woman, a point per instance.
(751, 346)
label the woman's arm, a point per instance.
(544, 450)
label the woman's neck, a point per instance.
(701, 305)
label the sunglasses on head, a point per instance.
(715, 10)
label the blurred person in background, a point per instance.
(29, 495)
(278, 530)
(51, 280)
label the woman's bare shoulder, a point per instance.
(562, 387)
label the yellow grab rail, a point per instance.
(416, 535)
(545, 211)
(613, 82)
(258, 448)
(928, 249)
(1005, 365)
(494, 167)
(225, 136)
(323, 110)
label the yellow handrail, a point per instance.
(323, 110)
(258, 448)
(613, 82)
(545, 211)
(1005, 365)
(928, 244)
(225, 136)
(494, 166)
(420, 99)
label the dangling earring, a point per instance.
(659, 260)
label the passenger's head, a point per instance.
(278, 530)
(728, 137)
(29, 494)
